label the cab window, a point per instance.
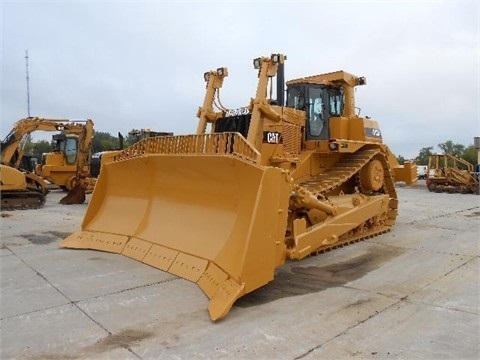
(316, 111)
(295, 98)
(336, 102)
(71, 150)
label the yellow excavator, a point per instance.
(22, 189)
(275, 180)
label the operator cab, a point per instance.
(67, 145)
(320, 103)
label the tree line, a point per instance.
(104, 141)
(468, 153)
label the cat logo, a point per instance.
(271, 137)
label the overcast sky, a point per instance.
(140, 64)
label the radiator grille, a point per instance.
(292, 139)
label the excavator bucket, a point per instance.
(216, 220)
(75, 196)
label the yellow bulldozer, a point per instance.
(21, 189)
(452, 174)
(275, 180)
(59, 166)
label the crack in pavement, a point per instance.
(75, 302)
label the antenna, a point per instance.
(28, 83)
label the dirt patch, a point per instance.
(40, 239)
(476, 213)
(53, 357)
(4, 215)
(46, 237)
(123, 339)
(297, 280)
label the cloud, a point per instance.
(140, 64)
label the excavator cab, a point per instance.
(65, 145)
(29, 162)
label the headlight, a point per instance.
(206, 76)
(333, 145)
(256, 63)
(275, 58)
(220, 71)
(362, 81)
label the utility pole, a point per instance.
(28, 84)
(476, 144)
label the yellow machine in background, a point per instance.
(254, 187)
(448, 173)
(22, 189)
(59, 166)
(104, 157)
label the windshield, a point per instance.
(58, 145)
(316, 111)
(295, 98)
(320, 102)
(336, 102)
(71, 150)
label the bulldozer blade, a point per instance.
(75, 196)
(216, 220)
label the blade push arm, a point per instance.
(267, 69)
(206, 113)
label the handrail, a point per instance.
(227, 143)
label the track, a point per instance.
(21, 200)
(341, 172)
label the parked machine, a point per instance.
(422, 172)
(104, 157)
(59, 166)
(254, 187)
(29, 162)
(448, 173)
(21, 189)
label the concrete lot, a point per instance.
(413, 293)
